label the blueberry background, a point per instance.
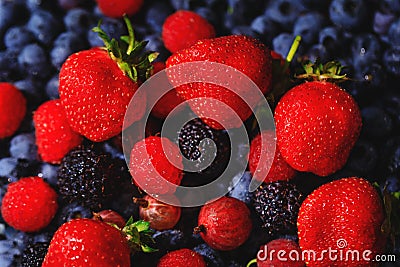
(36, 36)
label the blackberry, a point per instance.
(278, 204)
(34, 254)
(196, 140)
(89, 176)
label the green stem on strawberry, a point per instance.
(129, 53)
(291, 53)
(316, 71)
(138, 234)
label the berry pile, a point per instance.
(71, 195)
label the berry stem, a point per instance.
(199, 229)
(253, 261)
(292, 52)
(141, 202)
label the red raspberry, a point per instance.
(54, 136)
(269, 254)
(12, 109)
(182, 258)
(184, 28)
(29, 204)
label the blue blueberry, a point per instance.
(9, 67)
(10, 13)
(265, 28)
(49, 173)
(382, 22)
(156, 14)
(240, 188)
(363, 158)
(180, 4)
(23, 146)
(377, 123)
(391, 104)
(349, 14)
(331, 37)
(79, 21)
(282, 43)
(390, 6)
(284, 12)
(33, 60)
(113, 27)
(316, 4)
(66, 44)
(17, 37)
(155, 43)
(392, 184)
(210, 15)
(244, 30)
(32, 90)
(172, 239)
(44, 26)
(390, 155)
(308, 26)
(211, 256)
(391, 60)
(394, 33)
(71, 211)
(8, 166)
(366, 49)
(318, 51)
(52, 91)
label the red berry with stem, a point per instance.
(110, 217)
(161, 216)
(116, 9)
(225, 223)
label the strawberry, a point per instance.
(184, 28)
(182, 258)
(156, 165)
(116, 9)
(167, 102)
(317, 123)
(290, 257)
(96, 85)
(12, 109)
(88, 242)
(260, 154)
(245, 54)
(29, 204)
(54, 136)
(224, 224)
(344, 215)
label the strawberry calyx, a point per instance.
(129, 53)
(331, 71)
(138, 234)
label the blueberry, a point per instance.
(240, 188)
(244, 30)
(52, 91)
(284, 12)
(391, 104)
(10, 12)
(9, 67)
(391, 60)
(390, 156)
(180, 4)
(8, 166)
(210, 16)
(318, 51)
(265, 28)
(308, 26)
(366, 49)
(44, 26)
(71, 211)
(172, 239)
(34, 61)
(376, 122)
(392, 184)
(17, 37)
(382, 22)
(282, 43)
(212, 257)
(23, 146)
(156, 15)
(363, 157)
(349, 14)
(32, 90)
(390, 6)
(316, 4)
(242, 12)
(394, 33)
(155, 43)
(49, 173)
(66, 44)
(79, 21)
(330, 37)
(113, 27)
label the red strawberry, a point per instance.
(54, 136)
(149, 165)
(184, 28)
(182, 258)
(344, 215)
(261, 153)
(290, 257)
(29, 204)
(317, 125)
(224, 224)
(245, 54)
(12, 109)
(96, 86)
(88, 242)
(166, 103)
(116, 9)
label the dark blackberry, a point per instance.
(89, 176)
(278, 204)
(34, 254)
(196, 143)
